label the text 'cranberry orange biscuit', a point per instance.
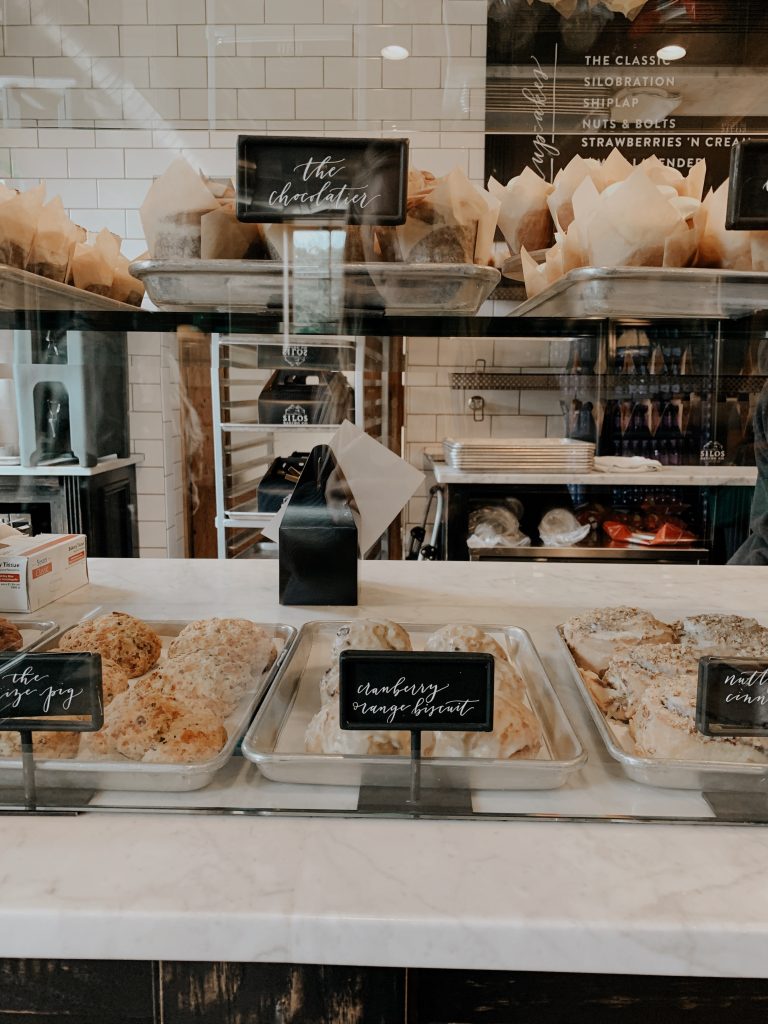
(516, 734)
(10, 637)
(595, 637)
(471, 639)
(133, 644)
(370, 635)
(243, 639)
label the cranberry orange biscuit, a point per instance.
(597, 636)
(325, 736)
(516, 734)
(464, 638)
(118, 636)
(370, 635)
(10, 638)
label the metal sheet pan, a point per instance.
(650, 292)
(275, 740)
(704, 776)
(34, 632)
(133, 775)
(257, 285)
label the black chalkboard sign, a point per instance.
(416, 691)
(321, 180)
(40, 692)
(732, 698)
(748, 186)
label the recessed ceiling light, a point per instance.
(671, 52)
(394, 52)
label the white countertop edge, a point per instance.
(72, 468)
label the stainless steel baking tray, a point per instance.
(664, 772)
(19, 289)
(34, 632)
(257, 285)
(650, 291)
(66, 773)
(275, 741)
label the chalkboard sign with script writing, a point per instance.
(41, 692)
(733, 697)
(748, 186)
(417, 691)
(355, 181)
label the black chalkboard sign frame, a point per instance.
(419, 669)
(22, 673)
(255, 152)
(748, 186)
(741, 680)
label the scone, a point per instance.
(10, 638)
(516, 734)
(664, 726)
(242, 638)
(507, 680)
(597, 636)
(45, 745)
(118, 636)
(325, 736)
(464, 638)
(723, 634)
(151, 726)
(631, 672)
(370, 635)
(213, 677)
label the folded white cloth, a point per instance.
(625, 464)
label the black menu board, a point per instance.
(678, 79)
(50, 692)
(733, 697)
(321, 180)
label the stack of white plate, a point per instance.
(519, 455)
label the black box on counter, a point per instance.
(279, 481)
(318, 537)
(298, 397)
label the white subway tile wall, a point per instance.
(123, 86)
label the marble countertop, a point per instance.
(555, 896)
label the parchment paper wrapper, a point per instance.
(380, 481)
(631, 226)
(731, 250)
(524, 217)
(126, 288)
(93, 265)
(616, 167)
(224, 237)
(567, 180)
(18, 224)
(682, 245)
(54, 242)
(172, 210)
(450, 222)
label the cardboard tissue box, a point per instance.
(37, 570)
